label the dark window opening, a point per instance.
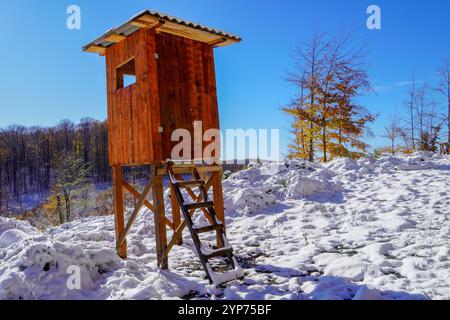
(126, 74)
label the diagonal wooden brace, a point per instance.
(147, 203)
(135, 213)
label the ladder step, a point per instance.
(219, 252)
(209, 228)
(192, 183)
(199, 205)
(220, 278)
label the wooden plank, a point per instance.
(115, 38)
(218, 204)
(142, 145)
(174, 112)
(160, 226)
(180, 169)
(213, 93)
(217, 41)
(119, 210)
(218, 195)
(140, 24)
(168, 28)
(152, 25)
(213, 102)
(182, 112)
(200, 92)
(168, 77)
(176, 217)
(136, 124)
(163, 76)
(115, 138)
(129, 124)
(154, 115)
(137, 195)
(177, 234)
(122, 141)
(207, 121)
(110, 108)
(96, 49)
(190, 33)
(148, 18)
(190, 59)
(117, 55)
(157, 25)
(147, 203)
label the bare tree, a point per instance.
(410, 104)
(424, 120)
(392, 132)
(421, 105)
(444, 89)
(71, 177)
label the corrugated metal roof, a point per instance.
(128, 28)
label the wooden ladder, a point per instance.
(224, 249)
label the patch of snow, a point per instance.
(373, 228)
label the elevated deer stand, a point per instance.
(161, 77)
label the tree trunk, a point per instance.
(448, 120)
(311, 143)
(67, 200)
(324, 141)
(412, 130)
(59, 209)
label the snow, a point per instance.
(365, 229)
(11, 236)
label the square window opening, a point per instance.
(126, 74)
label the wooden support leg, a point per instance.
(159, 217)
(119, 210)
(218, 201)
(176, 217)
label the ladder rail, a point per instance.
(211, 211)
(186, 209)
(186, 215)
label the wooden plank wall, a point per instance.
(187, 86)
(171, 92)
(133, 112)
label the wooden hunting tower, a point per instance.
(160, 77)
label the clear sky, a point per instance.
(45, 77)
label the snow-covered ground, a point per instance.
(367, 229)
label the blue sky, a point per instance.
(46, 77)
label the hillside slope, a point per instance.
(367, 229)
